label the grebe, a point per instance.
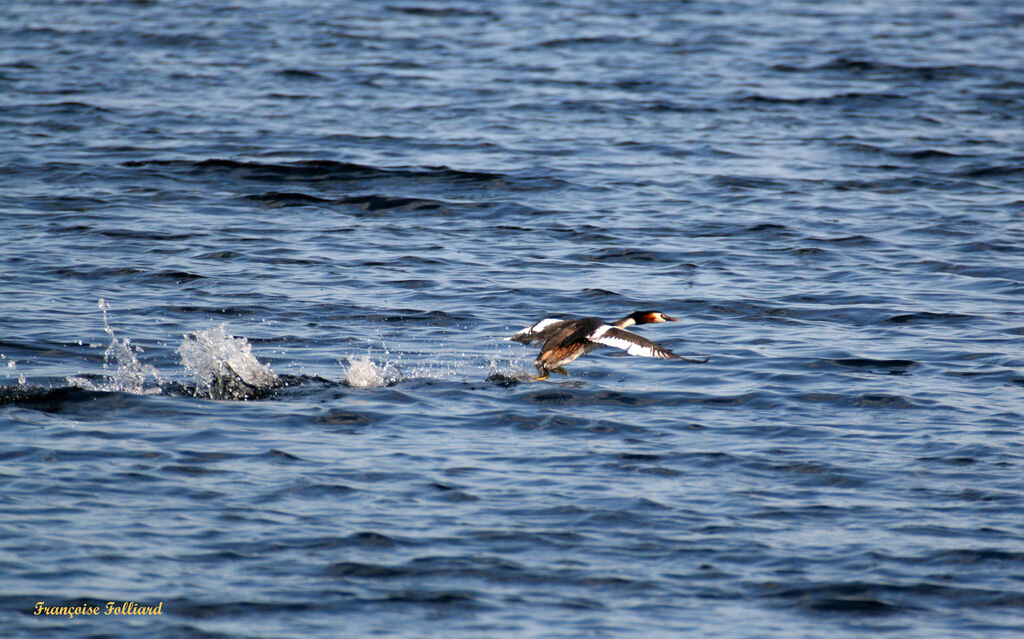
(567, 340)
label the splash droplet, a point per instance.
(224, 366)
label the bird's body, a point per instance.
(565, 340)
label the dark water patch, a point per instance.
(587, 234)
(755, 310)
(438, 318)
(319, 171)
(220, 255)
(175, 276)
(230, 311)
(807, 251)
(927, 317)
(242, 609)
(992, 246)
(453, 494)
(479, 568)
(440, 598)
(848, 240)
(991, 496)
(309, 490)
(866, 400)
(66, 107)
(713, 229)
(67, 203)
(173, 41)
(356, 570)
(345, 421)
(769, 228)
(136, 234)
(366, 203)
(862, 68)
(890, 366)
(377, 203)
(464, 567)
(443, 12)
(274, 453)
(748, 182)
(919, 154)
(626, 255)
(82, 272)
(287, 198)
(583, 42)
(1011, 167)
(951, 461)
(846, 598)
(299, 74)
(880, 598)
(812, 473)
(78, 271)
(576, 397)
(891, 186)
(50, 400)
(957, 559)
(639, 457)
(190, 470)
(661, 471)
(369, 539)
(846, 100)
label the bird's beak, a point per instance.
(670, 319)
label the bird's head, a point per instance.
(651, 317)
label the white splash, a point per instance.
(364, 373)
(510, 370)
(131, 374)
(224, 366)
(11, 364)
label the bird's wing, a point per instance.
(538, 332)
(632, 343)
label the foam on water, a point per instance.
(223, 366)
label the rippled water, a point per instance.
(258, 259)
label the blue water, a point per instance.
(258, 259)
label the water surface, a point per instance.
(258, 260)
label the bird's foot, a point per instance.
(546, 373)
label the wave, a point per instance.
(842, 99)
(369, 203)
(316, 170)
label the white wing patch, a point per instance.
(632, 343)
(536, 328)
